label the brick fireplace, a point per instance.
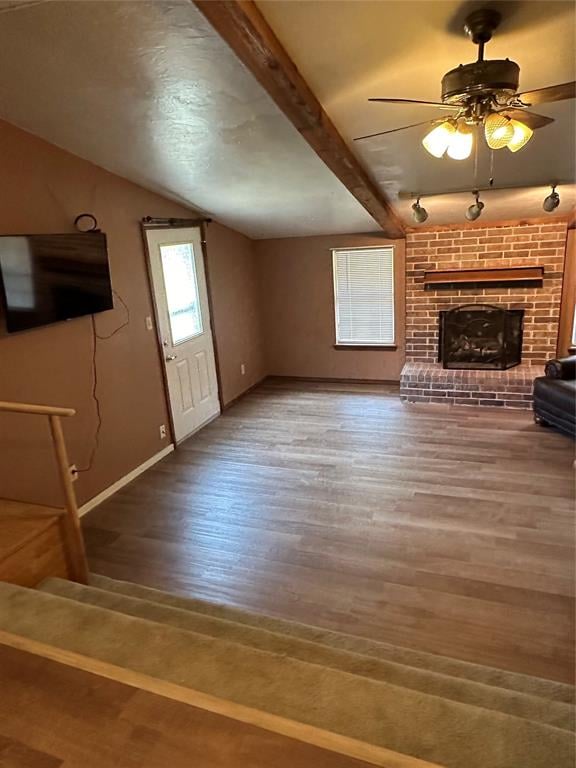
(423, 378)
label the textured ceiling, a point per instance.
(150, 92)
(349, 51)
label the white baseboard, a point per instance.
(107, 492)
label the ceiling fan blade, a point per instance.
(531, 119)
(437, 104)
(551, 93)
(393, 130)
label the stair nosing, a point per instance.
(504, 699)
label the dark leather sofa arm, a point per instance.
(563, 368)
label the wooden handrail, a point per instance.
(73, 541)
(39, 410)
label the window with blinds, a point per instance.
(364, 295)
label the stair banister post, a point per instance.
(75, 548)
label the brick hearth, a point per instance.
(431, 383)
(477, 247)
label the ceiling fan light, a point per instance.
(437, 140)
(461, 141)
(498, 130)
(521, 136)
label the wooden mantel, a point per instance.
(527, 276)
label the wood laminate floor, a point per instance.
(449, 530)
(53, 716)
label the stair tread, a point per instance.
(548, 689)
(372, 711)
(458, 689)
(21, 524)
(410, 722)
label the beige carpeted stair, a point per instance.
(449, 712)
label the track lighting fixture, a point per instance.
(419, 214)
(476, 208)
(552, 201)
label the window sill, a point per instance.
(367, 347)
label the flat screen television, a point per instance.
(49, 278)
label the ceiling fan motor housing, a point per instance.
(497, 77)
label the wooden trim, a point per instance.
(333, 742)
(242, 395)
(204, 244)
(38, 410)
(150, 222)
(329, 380)
(75, 551)
(509, 275)
(241, 24)
(132, 475)
(159, 347)
(487, 224)
(367, 347)
(568, 300)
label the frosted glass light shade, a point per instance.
(460, 145)
(521, 136)
(498, 130)
(437, 140)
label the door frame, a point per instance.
(180, 224)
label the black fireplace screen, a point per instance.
(480, 336)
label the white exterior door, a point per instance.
(182, 309)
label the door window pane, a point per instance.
(181, 291)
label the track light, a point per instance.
(419, 214)
(476, 208)
(437, 140)
(552, 201)
(498, 130)
(460, 145)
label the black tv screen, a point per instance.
(49, 278)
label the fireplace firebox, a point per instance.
(480, 336)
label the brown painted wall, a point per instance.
(233, 277)
(298, 310)
(42, 189)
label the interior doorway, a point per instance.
(183, 315)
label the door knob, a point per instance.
(169, 358)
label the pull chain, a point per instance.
(491, 182)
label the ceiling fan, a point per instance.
(482, 93)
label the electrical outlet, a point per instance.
(73, 470)
(149, 324)
(162, 431)
(243, 369)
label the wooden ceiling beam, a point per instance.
(244, 28)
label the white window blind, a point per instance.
(364, 295)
